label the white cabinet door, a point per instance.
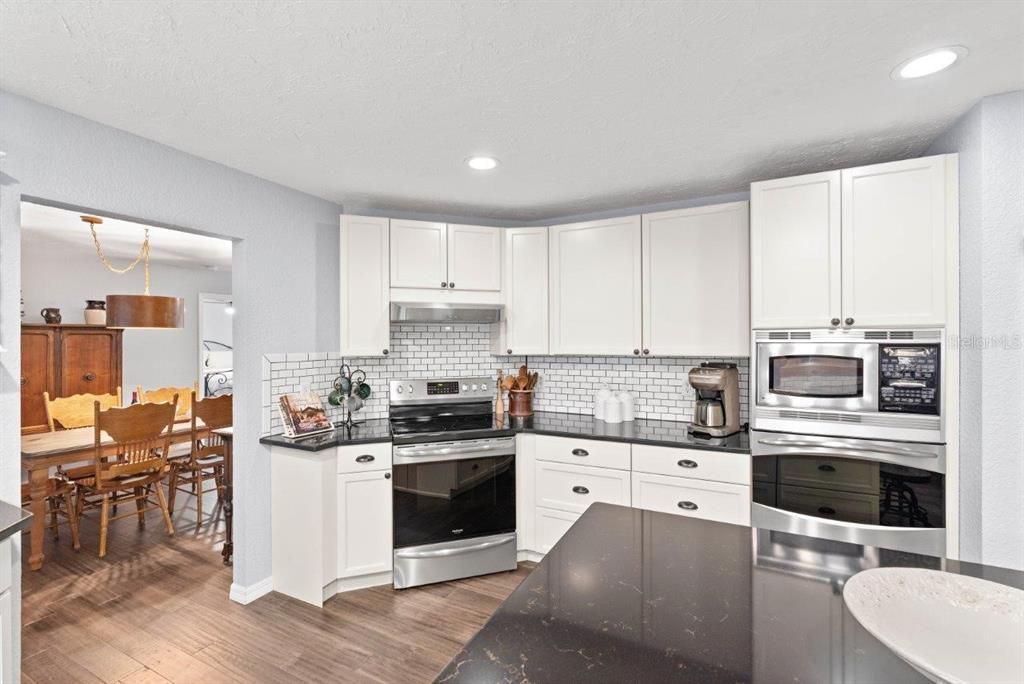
(573, 488)
(896, 220)
(365, 283)
(695, 498)
(697, 281)
(419, 254)
(549, 526)
(364, 523)
(596, 294)
(8, 668)
(795, 252)
(526, 291)
(474, 258)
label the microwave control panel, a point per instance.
(909, 378)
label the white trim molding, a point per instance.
(246, 595)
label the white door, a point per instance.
(365, 319)
(419, 254)
(364, 523)
(697, 281)
(474, 258)
(896, 219)
(526, 291)
(596, 294)
(795, 252)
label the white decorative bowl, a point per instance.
(951, 628)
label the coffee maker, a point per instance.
(716, 412)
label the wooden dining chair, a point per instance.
(164, 395)
(77, 410)
(206, 462)
(132, 468)
(60, 502)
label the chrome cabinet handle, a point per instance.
(687, 505)
(580, 452)
(579, 489)
(687, 463)
(365, 458)
(836, 322)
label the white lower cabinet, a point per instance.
(705, 499)
(364, 523)
(573, 488)
(550, 525)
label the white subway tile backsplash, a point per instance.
(567, 383)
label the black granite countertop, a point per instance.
(636, 596)
(640, 431)
(13, 519)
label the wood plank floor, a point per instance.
(157, 610)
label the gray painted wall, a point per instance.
(57, 274)
(284, 268)
(990, 141)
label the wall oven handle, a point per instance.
(845, 447)
(444, 553)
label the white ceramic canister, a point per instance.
(612, 410)
(600, 399)
(628, 406)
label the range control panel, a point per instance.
(909, 378)
(441, 390)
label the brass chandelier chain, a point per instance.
(143, 252)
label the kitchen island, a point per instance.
(629, 595)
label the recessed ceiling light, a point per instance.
(929, 63)
(482, 163)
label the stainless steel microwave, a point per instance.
(876, 384)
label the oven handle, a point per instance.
(444, 553)
(452, 451)
(833, 448)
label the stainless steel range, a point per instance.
(454, 481)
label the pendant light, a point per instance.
(138, 311)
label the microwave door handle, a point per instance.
(834, 448)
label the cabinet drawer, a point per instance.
(550, 525)
(843, 474)
(696, 498)
(692, 463)
(362, 457)
(585, 452)
(573, 488)
(831, 505)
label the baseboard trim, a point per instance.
(532, 556)
(246, 595)
(343, 584)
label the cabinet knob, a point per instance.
(385, 352)
(89, 377)
(687, 463)
(444, 284)
(849, 321)
(647, 351)
(24, 381)
(450, 285)
(835, 322)
(687, 505)
(580, 452)
(579, 489)
(508, 351)
(636, 352)
(387, 476)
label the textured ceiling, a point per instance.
(121, 240)
(589, 105)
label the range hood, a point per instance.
(445, 312)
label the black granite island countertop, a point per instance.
(636, 596)
(641, 431)
(13, 519)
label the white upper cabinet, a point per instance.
(596, 294)
(419, 254)
(526, 292)
(896, 224)
(696, 281)
(364, 294)
(474, 258)
(795, 252)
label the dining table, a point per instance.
(45, 450)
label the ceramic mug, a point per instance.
(51, 315)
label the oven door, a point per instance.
(826, 376)
(448, 491)
(871, 492)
